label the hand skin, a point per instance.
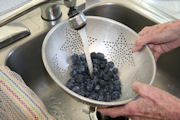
(152, 104)
(161, 38)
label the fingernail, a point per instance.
(134, 49)
(135, 86)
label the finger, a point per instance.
(136, 48)
(140, 42)
(151, 46)
(149, 92)
(146, 39)
(156, 56)
(141, 88)
(144, 31)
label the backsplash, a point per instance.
(9, 5)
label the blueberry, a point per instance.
(95, 61)
(81, 69)
(105, 89)
(87, 94)
(86, 67)
(74, 67)
(110, 64)
(95, 71)
(96, 66)
(100, 56)
(82, 92)
(108, 97)
(101, 98)
(111, 87)
(110, 74)
(97, 87)
(116, 77)
(70, 84)
(101, 92)
(106, 69)
(73, 73)
(117, 85)
(101, 75)
(115, 70)
(103, 63)
(93, 96)
(117, 88)
(115, 95)
(86, 78)
(117, 82)
(102, 66)
(102, 83)
(95, 80)
(79, 78)
(106, 77)
(93, 55)
(83, 57)
(76, 89)
(75, 58)
(90, 86)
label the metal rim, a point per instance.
(90, 101)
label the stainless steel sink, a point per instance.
(24, 57)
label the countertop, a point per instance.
(170, 7)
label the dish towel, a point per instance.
(17, 100)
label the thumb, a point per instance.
(142, 89)
(140, 43)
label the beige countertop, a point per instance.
(170, 7)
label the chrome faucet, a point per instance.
(50, 11)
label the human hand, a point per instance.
(153, 103)
(161, 38)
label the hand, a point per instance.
(161, 38)
(153, 103)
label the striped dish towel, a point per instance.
(18, 101)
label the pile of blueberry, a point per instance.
(103, 85)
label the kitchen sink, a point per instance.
(24, 57)
(121, 14)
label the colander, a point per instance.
(107, 36)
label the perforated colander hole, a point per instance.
(73, 42)
(91, 40)
(120, 51)
(61, 70)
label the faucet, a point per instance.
(50, 11)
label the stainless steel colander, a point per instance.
(107, 36)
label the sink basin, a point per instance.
(24, 57)
(121, 14)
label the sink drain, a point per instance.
(95, 115)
